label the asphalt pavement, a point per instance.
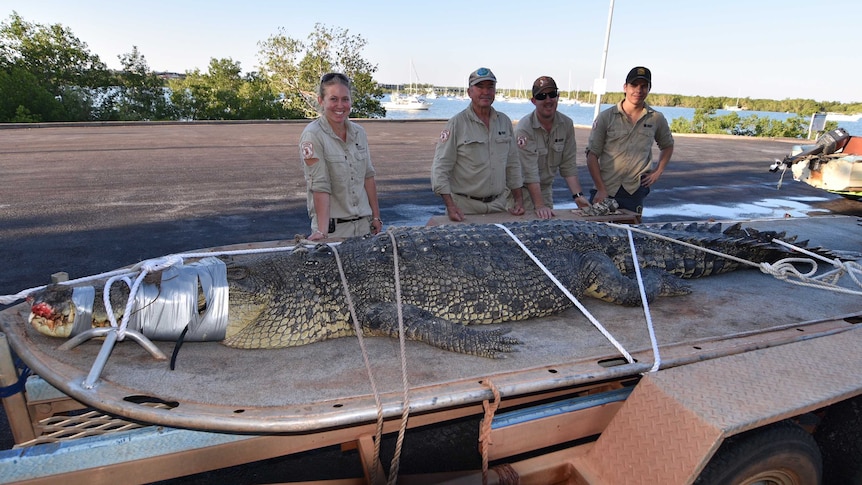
(89, 198)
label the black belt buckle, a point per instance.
(484, 200)
(334, 221)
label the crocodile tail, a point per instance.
(750, 235)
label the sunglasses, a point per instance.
(333, 75)
(542, 96)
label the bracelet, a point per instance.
(377, 219)
(578, 195)
(318, 231)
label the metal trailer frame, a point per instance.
(592, 421)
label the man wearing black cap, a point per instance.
(476, 162)
(619, 152)
(546, 144)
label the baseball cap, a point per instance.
(639, 72)
(544, 83)
(481, 74)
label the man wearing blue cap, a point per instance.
(476, 162)
(619, 151)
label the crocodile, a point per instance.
(451, 278)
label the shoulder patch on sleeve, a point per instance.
(307, 150)
(444, 136)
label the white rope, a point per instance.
(10, 299)
(571, 297)
(653, 342)
(147, 267)
(786, 271)
(784, 268)
(682, 243)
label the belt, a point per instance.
(480, 199)
(349, 219)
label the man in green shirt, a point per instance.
(546, 145)
(476, 162)
(619, 152)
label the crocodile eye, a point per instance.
(323, 249)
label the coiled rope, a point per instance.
(782, 269)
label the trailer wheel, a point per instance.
(841, 443)
(779, 454)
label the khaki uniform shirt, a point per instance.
(544, 154)
(625, 150)
(473, 160)
(340, 171)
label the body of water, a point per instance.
(445, 108)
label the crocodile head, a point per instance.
(53, 312)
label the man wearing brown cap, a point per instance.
(546, 145)
(619, 152)
(476, 161)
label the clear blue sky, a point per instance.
(773, 49)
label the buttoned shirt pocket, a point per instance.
(360, 152)
(615, 134)
(647, 131)
(339, 169)
(474, 150)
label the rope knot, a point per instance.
(159, 264)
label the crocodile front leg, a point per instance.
(597, 276)
(381, 320)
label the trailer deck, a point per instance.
(319, 394)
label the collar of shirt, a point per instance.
(534, 120)
(473, 116)
(351, 129)
(649, 109)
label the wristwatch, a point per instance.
(579, 194)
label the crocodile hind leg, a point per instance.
(381, 320)
(597, 276)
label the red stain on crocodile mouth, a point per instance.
(42, 310)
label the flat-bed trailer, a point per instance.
(757, 377)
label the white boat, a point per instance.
(833, 164)
(406, 102)
(843, 117)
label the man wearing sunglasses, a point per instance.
(546, 142)
(619, 151)
(476, 162)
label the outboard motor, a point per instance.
(826, 144)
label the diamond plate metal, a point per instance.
(675, 419)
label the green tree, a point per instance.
(23, 99)
(213, 95)
(140, 94)
(294, 69)
(59, 62)
(222, 93)
(706, 121)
